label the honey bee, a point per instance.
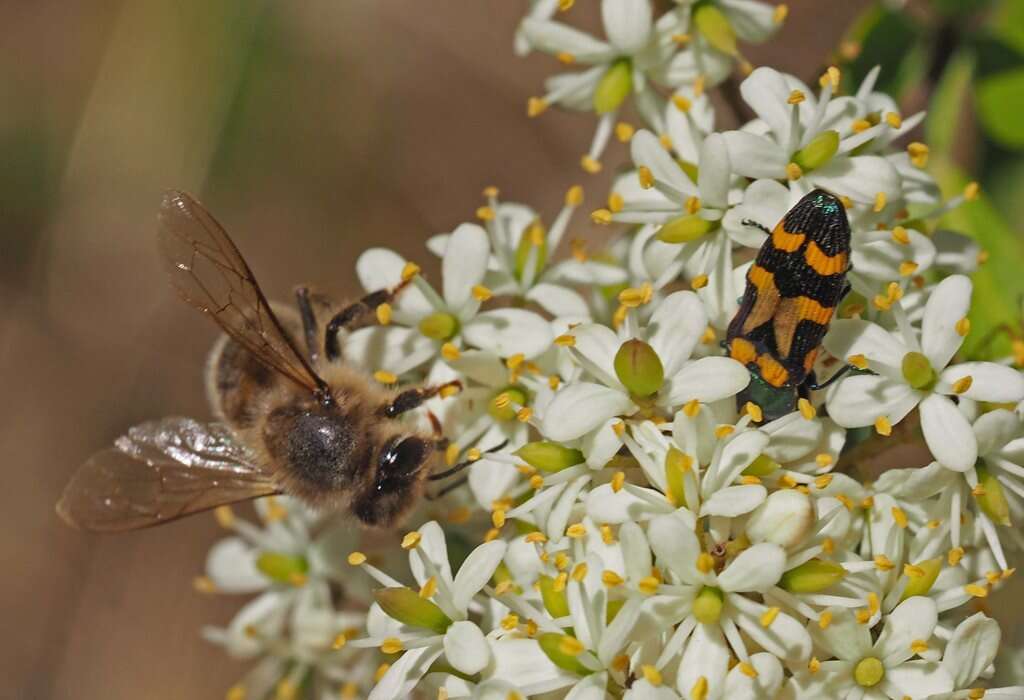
(293, 422)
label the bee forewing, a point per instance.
(160, 471)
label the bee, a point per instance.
(292, 421)
(792, 291)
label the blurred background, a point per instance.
(314, 130)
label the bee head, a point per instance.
(399, 477)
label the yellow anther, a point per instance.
(813, 666)
(825, 620)
(485, 213)
(705, 563)
(535, 106)
(590, 165)
(971, 191)
(750, 480)
(747, 669)
(601, 216)
(978, 491)
(894, 291)
(391, 645)
(619, 428)
(536, 538)
(385, 377)
(565, 57)
(882, 303)
(449, 390)
(682, 39)
(429, 588)
(754, 411)
(691, 408)
(823, 481)
(410, 270)
(536, 482)
(411, 540)
(559, 583)
(933, 524)
(796, 97)
(381, 670)
(225, 516)
(645, 176)
(356, 558)
(983, 256)
(651, 675)
(962, 384)
(698, 85)
(610, 578)
(780, 13)
(723, 431)
(699, 282)
(503, 587)
(955, 555)
(383, 313)
(807, 409)
(919, 646)
(204, 584)
(900, 235)
(828, 546)
(907, 268)
(868, 502)
(963, 327)
(666, 142)
(900, 517)
(607, 534)
(624, 131)
(883, 427)
(832, 75)
(561, 560)
(787, 481)
(794, 171)
(235, 692)
(699, 691)
(490, 192)
(498, 518)
(570, 646)
(708, 336)
(510, 622)
(894, 120)
(860, 125)
(913, 571)
(576, 531)
(579, 572)
(973, 589)
(823, 459)
(633, 297)
(618, 480)
(880, 202)
(481, 293)
(450, 351)
(769, 616)
(648, 585)
(883, 563)
(681, 103)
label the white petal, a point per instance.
(403, 675)
(481, 366)
(766, 684)
(715, 172)
(591, 687)
(392, 348)
(476, 571)
(753, 21)
(675, 329)
(996, 428)
(630, 503)
(844, 637)
(522, 663)
(989, 381)
(465, 647)
(648, 151)
(600, 445)
(735, 500)
(766, 91)
(464, 264)
(785, 637)
(883, 349)
(920, 679)
(558, 300)
(857, 401)
(948, 434)
(792, 437)
(948, 303)
(627, 23)
(508, 332)
(860, 178)
(973, 647)
(555, 38)
(380, 268)
(579, 408)
(755, 156)
(764, 202)
(707, 379)
(736, 456)
(675, 544)
(912, 619)
(231, 565)
(595, 347)
(433, 546)
(756, 569)
(706, 655)
(785, 518)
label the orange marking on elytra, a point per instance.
(771, 370)
(786, 241)
(824, 264)
(742, 350)
(767, 298)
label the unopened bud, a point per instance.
(818, 152)
(921, 585)
(559, 648)
(715, 26)
(549, 456)
(613, 87)
(992, 500)
(784, 518)
(813, 576)
(685, 229)
(555, 600)
(406, 606)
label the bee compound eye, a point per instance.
(401, 457)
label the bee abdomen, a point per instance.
(235, 383)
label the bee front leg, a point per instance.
(414, 398)
(356, 313)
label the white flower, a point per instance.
(422, 322)
(912, 371)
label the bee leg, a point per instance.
(447, 489)
(462, 465)
(355, 313)
(414, 398)
(308, 322)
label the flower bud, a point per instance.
(549, 456)
(676, 465)
(921, 585)
(714, 25)
(558, 648)
(917, 370)
(813, 576)
(282, 568)
(439, 326)
(818, 152)
(784, 518)
(992, 499)
(762, 466)
(613, 87)
(406, 606)
(685, 229)
(555, 601)
(503, 404)
(707, 606)
(639, 368)
(533, 238)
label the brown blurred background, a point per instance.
(313, 130)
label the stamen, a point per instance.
(535, 106)
(645, 176)
(590, 164)
(485, 213)
(409, 271)
(601, 216)
(385, 377)
(411, 540)
(883, 427)
(681, 103)
(624, 132)
(481, 293)
(963, 384)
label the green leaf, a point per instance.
(944, 121)
(1000, 104)
(888, 39)
(1007, 22)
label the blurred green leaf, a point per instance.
(943, 123)
(1007, 22)
(1000, 104)
(888, 39)
(960, 7)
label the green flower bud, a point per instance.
(549, 456)
(533, 238)
(714, 25)
(559, 648)
(439, 326)
(869, 672)
(406, 606)
(707, 606)
(920, 585)
(685, 229)
(555, 601)
(613, 87)
(762, 466)
(676, 466)
(506, 411)
(639, 368)
(918, 372)
(818, 152)
(992, 499)
(813, 576)
(282, 568)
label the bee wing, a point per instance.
(160, 471)
(211, 275)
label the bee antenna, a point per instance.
(462, 465)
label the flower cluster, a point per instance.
(630, 528)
